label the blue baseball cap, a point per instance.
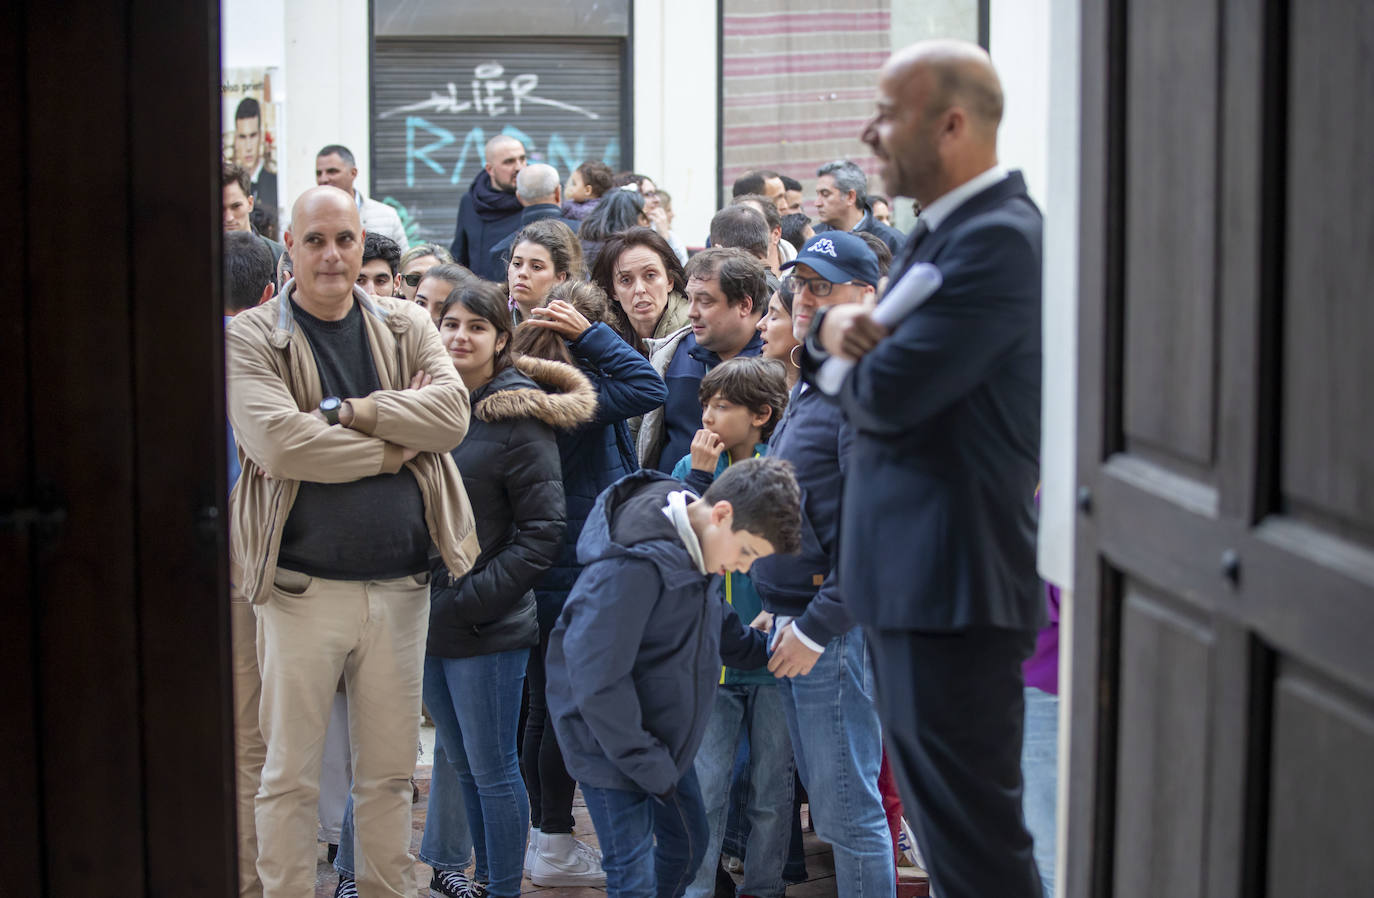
(839, 257)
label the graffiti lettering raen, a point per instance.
(430, 149)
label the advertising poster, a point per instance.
(252, 123)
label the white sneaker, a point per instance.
(561, 860)
(531, 846)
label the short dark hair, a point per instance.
(236, 174)
(793, 225)
(790, 183)
(248, 268)
(263, 218)
(878, 198)
(766, 206)
(378, 246)
(743, 227)
(618, 210)
(487, 300)
(596, 175)
(740, 275)
(765, 500)
(755, 383)
(880, 249)
(749, 182)
(338, 150)
(248, 108)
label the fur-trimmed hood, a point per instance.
(563, 400)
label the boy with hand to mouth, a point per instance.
(634, 659)
(741, 402)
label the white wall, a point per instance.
(327, 87)
(675, 89)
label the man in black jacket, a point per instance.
(489, 210)
(539, 191)
(938, 560)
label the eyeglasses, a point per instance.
(819, 287)
(413, 280)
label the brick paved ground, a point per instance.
(819, 864)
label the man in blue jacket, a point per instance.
(939, 519)
(635, 655)
(489, 211)
(819, 654)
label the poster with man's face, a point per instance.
(252, 121)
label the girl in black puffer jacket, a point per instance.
(483, 624)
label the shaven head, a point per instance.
(939, 106)
(326, 244)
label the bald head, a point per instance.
(319, 199)
(951, 73)
(326, 245)
(939, 105)
(505, 158)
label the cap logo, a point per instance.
(824, 245)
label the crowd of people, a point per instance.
(577, 493)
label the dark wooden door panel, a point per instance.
(1328, 421)
(1170, 220)
(1166, 662)
(1322, 810)
(1223, 677)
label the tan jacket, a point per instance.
(274, 384)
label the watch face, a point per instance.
(330, 404)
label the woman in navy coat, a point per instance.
(573, 328)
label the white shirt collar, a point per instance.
(942, 208)
(358, 198)
(676, 510)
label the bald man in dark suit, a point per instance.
(938, 560)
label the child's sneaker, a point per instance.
(347, 888)
(561, 860)
(454, 884)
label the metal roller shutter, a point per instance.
(436, 102)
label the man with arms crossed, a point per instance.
(938, 558)
(345, 407)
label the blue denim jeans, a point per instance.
(838, 745)
(447, 843)
(475, 703)
(1040, 770)
(628, 824)
(757, 711)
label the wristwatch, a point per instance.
(329, 407)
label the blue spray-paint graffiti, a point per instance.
(431, 147)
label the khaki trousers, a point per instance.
(249, 748)
(311, 631)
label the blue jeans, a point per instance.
(475, 703)
(447, 843)
(627, 825)
(1040, 770)
(838, 745)
(757, 711)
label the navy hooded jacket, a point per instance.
(635, 657)
(598, 453)
(485, 217)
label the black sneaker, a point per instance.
(347, 888)
(331, 852)
(454, 884)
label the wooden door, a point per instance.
(116, 752)
(1223, 631)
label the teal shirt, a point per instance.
(739, 589)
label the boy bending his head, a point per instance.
(635, 656)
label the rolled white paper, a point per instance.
(916, 286)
